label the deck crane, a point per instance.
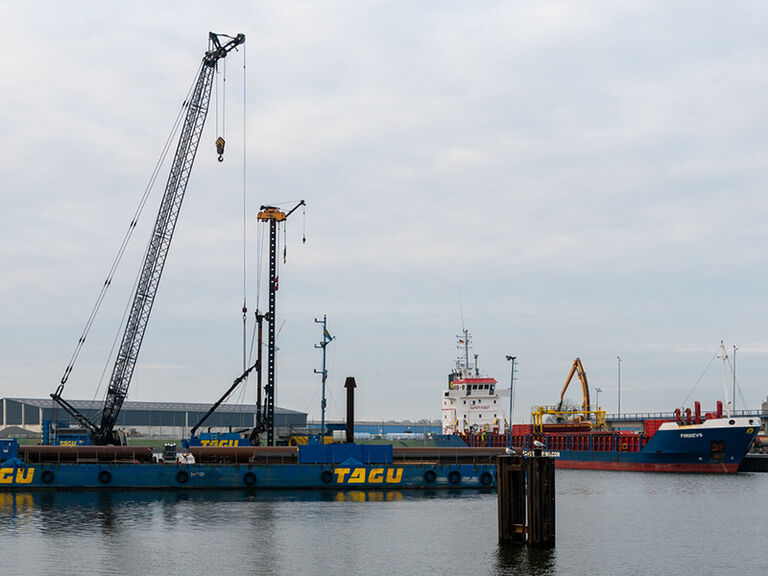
(197, 109)
(577, 368)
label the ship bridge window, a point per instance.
(485, 386)
(446, 393)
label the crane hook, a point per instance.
(220, 148)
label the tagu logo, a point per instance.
(372, 476)
(691, 435)
(16, 475)
(220, 443)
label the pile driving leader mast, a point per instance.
(154, 259)
(267, 416)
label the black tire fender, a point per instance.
(105, 476)
(326, 476)
(182, 476)
(486, 478)
(454, 476)
(47, 476)
(430, 476)
(249, 478)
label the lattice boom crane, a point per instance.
(154, 259)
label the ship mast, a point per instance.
(465, 370)
(724, 357)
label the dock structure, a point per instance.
(526, 499)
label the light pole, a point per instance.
(511, 359)
(619, 388)
(597, 397)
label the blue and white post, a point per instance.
(326, 340)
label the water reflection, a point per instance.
(521, 559)
(623, 524)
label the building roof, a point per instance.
(150, 406)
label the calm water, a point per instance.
(607, 523)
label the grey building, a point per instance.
(166, 419)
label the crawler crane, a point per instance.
(104, 432)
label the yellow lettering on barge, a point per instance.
(17, 475)
(220, 443)
(376, 476)
(394, 475)
(357, 476)
(341, 473)
(366, 476)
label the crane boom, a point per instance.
(577, 368)
(157, 251)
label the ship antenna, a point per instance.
(466, 348)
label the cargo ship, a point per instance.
(337, 466)
(712, 445)
(473, 402)
(578, 438)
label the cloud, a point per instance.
(586, 179)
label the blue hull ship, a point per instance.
(716, 445)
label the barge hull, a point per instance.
(126, 476)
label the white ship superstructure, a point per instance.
(472, 402)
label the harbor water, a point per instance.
(607, 523)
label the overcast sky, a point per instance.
(579, 178)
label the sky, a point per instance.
(562, 179)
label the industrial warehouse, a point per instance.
(20, 416)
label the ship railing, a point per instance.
(594, 418)
(482, 455)
(635, 416)
(599, 441)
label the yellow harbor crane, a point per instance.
(583, 419)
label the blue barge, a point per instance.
(314, 466)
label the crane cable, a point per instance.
(699, 380)
(129, 233)
(129, 302)
(245, 220)
(220, 136)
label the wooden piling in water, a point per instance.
(526, 499)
